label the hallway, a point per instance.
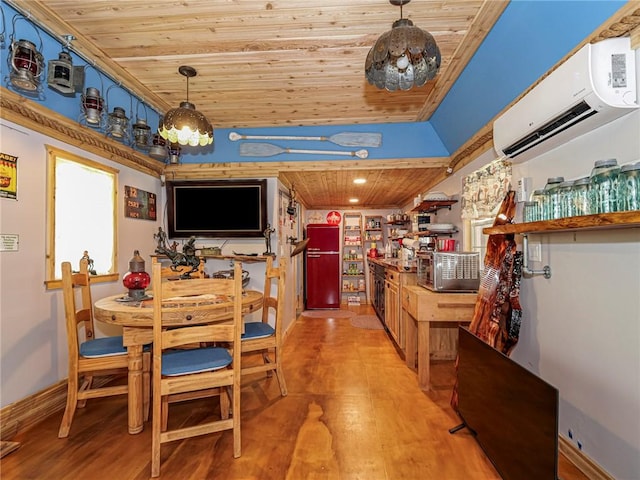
(354, 411)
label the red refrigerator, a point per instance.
(322, 266)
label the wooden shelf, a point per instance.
(602, 221)
(432, 206)
(243, 258)
(398, 222)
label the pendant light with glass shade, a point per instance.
(185, 125)
(403, 57)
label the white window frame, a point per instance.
(53, 279)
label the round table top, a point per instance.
(140, 313)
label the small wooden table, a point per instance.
(424, 307)
(136, 319)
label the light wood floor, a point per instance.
(354, 411)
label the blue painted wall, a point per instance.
(529, 38)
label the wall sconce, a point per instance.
(185, 125)
(402, 57)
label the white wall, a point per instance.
(581, 328)
(33, 351)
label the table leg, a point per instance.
(135, 389)
(423, 355)
(411, 342)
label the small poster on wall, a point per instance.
(8, 176)
(139, 204)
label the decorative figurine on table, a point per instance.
(267, 238)
(90, 267)
(187, 258)
(161, 238)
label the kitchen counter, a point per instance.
(392, 263)
(427, 310)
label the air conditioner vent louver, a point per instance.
(580, 112)
(593, 87)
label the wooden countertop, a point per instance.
(391, 263)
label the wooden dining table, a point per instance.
(136, 320)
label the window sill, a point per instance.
(103, 278)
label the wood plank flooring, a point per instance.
(354, 411)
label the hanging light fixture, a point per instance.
(92, 108)
(25, 62)
(402, 57)
(62, 76)
(158, 147)
(174, 153)
(92, 105)
(185, 125)
(141, 132)
(118, 125)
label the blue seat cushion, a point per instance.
(103, 347)
(182, 362)
(257, 330)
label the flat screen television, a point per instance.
(217, 208)
(512, 412)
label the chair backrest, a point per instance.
(191, 302)
(274, 303)
(74, 314)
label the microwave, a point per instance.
(449, 271)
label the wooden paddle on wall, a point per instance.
(345, 139)
(269, 150)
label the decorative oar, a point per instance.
(345, 139)
(269, 150)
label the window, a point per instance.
(81, 215)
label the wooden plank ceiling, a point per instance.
(278, 63)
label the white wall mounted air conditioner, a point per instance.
(593, 87)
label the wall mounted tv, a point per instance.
(512, 412)
(217, 208)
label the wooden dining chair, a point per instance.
(89, 356)
(187, 373)
(263, 337)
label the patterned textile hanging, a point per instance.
(497, 315)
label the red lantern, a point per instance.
(136, 280)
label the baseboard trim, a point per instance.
(585, 464)
(23, 414)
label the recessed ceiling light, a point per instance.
(360, 181)
(353, 200)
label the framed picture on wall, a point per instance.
(139, 204)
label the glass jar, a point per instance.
(566, 208)
(529, 211)
(580, 196)
(538, 198)
(551, 205)
(603, 187)
(629, 187)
